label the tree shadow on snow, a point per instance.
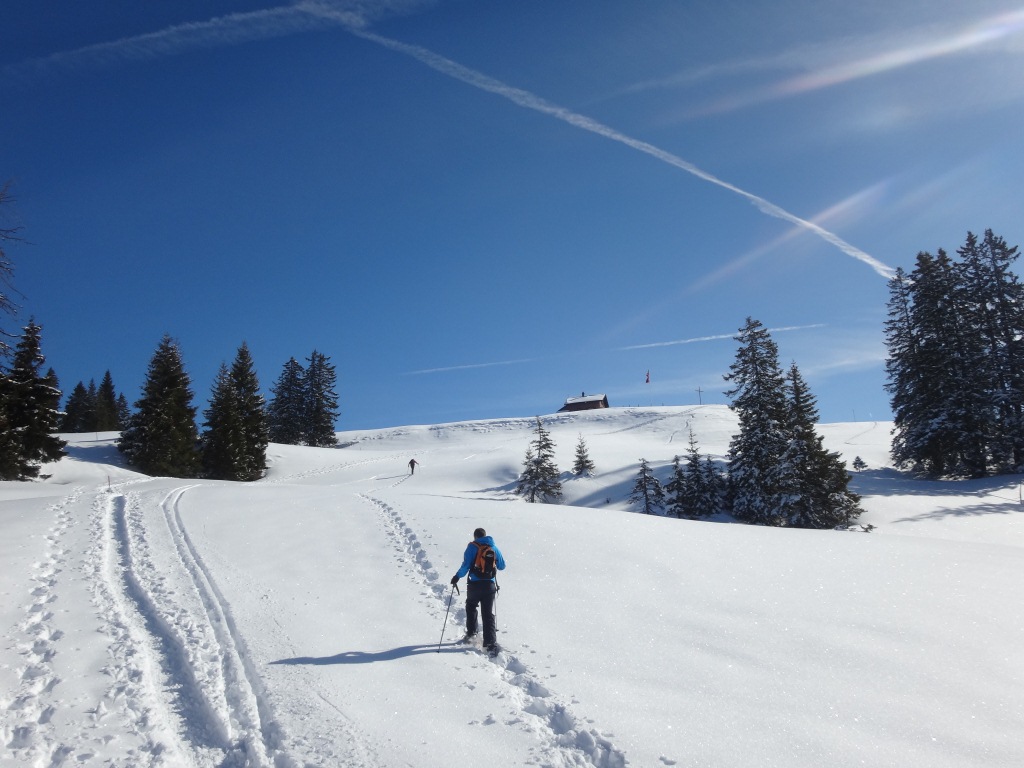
(366, 657)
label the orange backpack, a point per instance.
(483, 564)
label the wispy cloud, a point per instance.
(850, 207)
(836, 62)
(469, 366)
(717, 337)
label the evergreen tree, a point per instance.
(321, 403)
(106, 406)
(647, 491)
(252, 414)
(815, 481)
(951, 392)
(124, 413)
(715, 487)
(582, 465)
(993, 305)
(32, 405)
(10, 446)
(675, 489)
(78, 411)
(759, 400)
(161, 436)
(286, 412)
(223, 442)
(539, 480)
(703, 483)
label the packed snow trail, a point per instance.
(565, 740)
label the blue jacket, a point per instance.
(470, 556)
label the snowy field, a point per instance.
(298, 620)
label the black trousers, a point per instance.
(481, 593)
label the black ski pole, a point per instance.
(443, 626)
(497, 589)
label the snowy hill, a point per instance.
(298, 620)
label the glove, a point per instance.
(455, 580)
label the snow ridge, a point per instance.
(566, 741)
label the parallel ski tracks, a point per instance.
(177, 658)
(565, 739)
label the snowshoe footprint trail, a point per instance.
(28, 715)
(564, 739)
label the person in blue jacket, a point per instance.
(481, 587)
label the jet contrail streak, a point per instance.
(536, 103)
(717, 337)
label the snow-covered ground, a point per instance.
(298, 620)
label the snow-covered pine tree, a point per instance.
(936, 370)
(703, 483)
(32, 402)
(539, 481)
(286, 412)
(582, 464)
(161, 436)
(755, 453)
(815, 480)
(993, 306)
(647, 491)
(675, 490)
(321, 404)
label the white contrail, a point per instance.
(353, 16)
(469, 366)
(717, 337)
(536, 103)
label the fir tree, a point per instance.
(161, 436)
(124, 413)
(993, 305)
(539, 481)
(78, 411)
(675, 489)
(815, 481)
(582, 465)
(647, 491)
(759, 400)
(32, 405)
(223, 442)
(321, 403)
(252, 414)
(953, 361)
(106, 406)
(285, 414)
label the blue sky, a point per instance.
(478, 209)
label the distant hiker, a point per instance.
(482, 561)
(412, 466)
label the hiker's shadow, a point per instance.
(365, 657)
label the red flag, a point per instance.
(648, 378)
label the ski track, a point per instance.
(225, 681)
(564, 739)
(26, 729)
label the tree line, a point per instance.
(778, 470)
(161, 436)
(955, 334)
